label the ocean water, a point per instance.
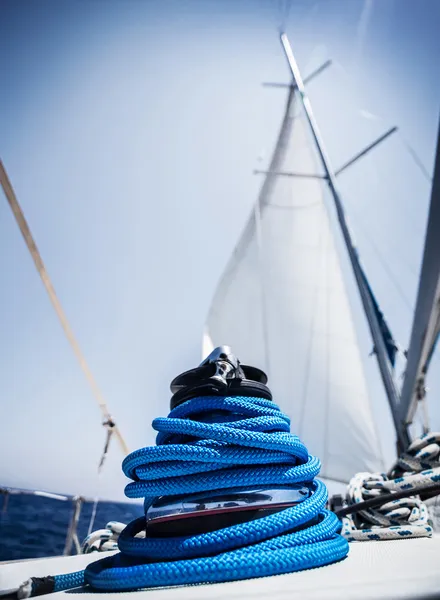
(33, 526)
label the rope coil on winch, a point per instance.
(218, 443)
(417, 469)
(248, 444)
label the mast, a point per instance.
(373, 322)
(426, 324)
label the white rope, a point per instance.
(401, 518)
(105, 540)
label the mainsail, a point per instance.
(282, 305)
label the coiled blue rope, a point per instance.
(213, 443)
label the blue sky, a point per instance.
(130, 131)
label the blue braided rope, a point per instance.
(214, 443)
(69, 581)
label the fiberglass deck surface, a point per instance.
(400, 569)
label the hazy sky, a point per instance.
(130, 130)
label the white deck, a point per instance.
(391, 570)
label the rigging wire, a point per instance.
(284, 11)
(392, 249)
(417, 160)
(383, 262)
(414, 156)
(38, 261)
(368, 115)
(397, 287)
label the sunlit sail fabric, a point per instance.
(281, 304)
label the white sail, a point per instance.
(282, 305)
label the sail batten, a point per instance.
(300, 328)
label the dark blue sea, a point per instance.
(33, 526)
